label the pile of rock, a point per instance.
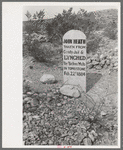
(106, 61)
(51, 118)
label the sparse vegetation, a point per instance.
(43, 41)
(55, 28)
(111, 30)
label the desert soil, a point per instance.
(101, 87)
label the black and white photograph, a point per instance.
(70, 75)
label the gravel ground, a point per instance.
(50, 118)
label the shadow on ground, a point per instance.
(91, 79)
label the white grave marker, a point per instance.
(74, 58)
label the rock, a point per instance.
(49, 95)
(35, 95)
(80, 137)
(64, 135)
(94, 133)
(29, 114)
(70, 90)
(95, 63)
(70, 115)
(91, 137)
(88, 61)
(112, 65)
(102, 56)
(34, 102)
(31, 67)
(86, 124)
(90, 66)
(108, 62)
(27, 99)
(73, 122)
(49, 99)
(116, 49)
(87, 141)
(33, 109)
(36, 117)
(103, 113)
(47, 78)
(42, 95)
(24, 96)
(64, 102)
(50, 142)
(30, 93)
(44, 143)
(115, 64)
(57, 132)
(103, 62)
(112, 54)
(115, 68)
(70, 132)
(65, 97)
(27, 106)
(96, 56)
(59, 104)
(105, 66)
(97, 59)
(98, 67)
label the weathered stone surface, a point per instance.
(115, 68)
(47, 78)
(30, 93)
(103, 113)
(64, 102)
(95, 63)
(90, 66)
(24, 96)
(44, 143)
(115, 64)
(94, 133)
(87, 141)
(96, 56)
(103, 62)
(49, 94)
(102, 56)
(108, 62)
(80, 137)
(50, 142)
(97, 59)
(105, 66)
(42, 95)
(91, 136)
(27, 106)
(34, 102)
(27, 99)
(59, 104)
(89, 61)
(36, 117)
(98, 67)
(70, 90)
(32, 109)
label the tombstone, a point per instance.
(74, 58)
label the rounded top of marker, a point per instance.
(76, 34)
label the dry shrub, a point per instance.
(42, 52)
(111, 31)
(93, 43)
